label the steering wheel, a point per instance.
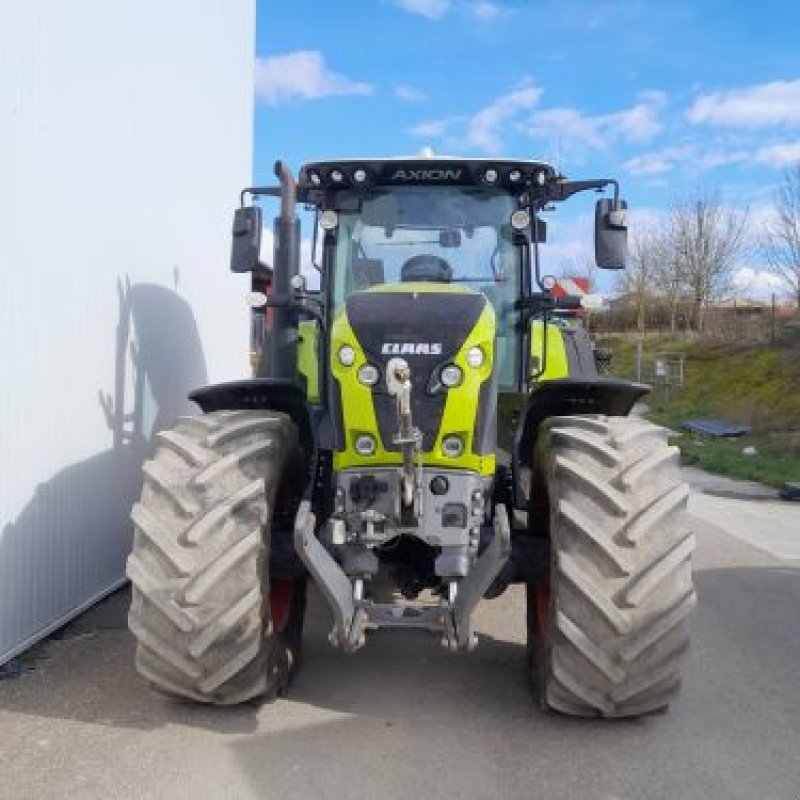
(426, 268)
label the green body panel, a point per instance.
(461, 405)
(557, 365)
(308, 358)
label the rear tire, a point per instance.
(199, 569)
(614, 635)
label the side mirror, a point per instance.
(246, 244)
(610, 234)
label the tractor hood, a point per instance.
(430, 325)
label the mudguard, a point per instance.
(567, 396)
(269, 394)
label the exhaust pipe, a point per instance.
(280, 355)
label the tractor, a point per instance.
(417, 435)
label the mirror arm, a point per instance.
(562, 190)
(259, 191)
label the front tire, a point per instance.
(607, 634)
(201, 610)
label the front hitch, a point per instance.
(409, 438)
(353, 614)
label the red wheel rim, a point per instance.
(542, 597)
(280, 599)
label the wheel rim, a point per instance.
(280, 599)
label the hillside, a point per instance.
(752, 384)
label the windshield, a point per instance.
(453, 234)
(435, 234)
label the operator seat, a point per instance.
(426, 268)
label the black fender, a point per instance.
(568, 396)
(269, 394)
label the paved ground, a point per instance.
(404, 719)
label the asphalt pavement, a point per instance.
(405, 719)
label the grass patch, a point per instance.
(772, 465)
(755, 385)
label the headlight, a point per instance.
(452, 446)
(520, 219)
(451, 376)
(368, 375)
(328, 219)
(515, 176)
(475, 357)
(365, 445)
(490, 176)
(347, 356)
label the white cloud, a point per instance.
(691, 158)
(659, 161)
(782, 154)
(486, 11)
(711, 159)
(576, 131)
(301, 75)
(767, 104)
(637, 123)
(410, 94)
(757, 282)
(568, 126)
(432, 129)
(483, 129)
(431, 9)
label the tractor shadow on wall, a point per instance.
(69, 543)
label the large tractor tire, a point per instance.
(209, 624)
(607, 633)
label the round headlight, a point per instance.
(540, 176)
(347, 356)
(360, 175)
(549, 282)
(365, 445)
(314, 177)
(515, 176)
(451, 376)
(368, 375)
(337, 176)
(520, 219)
(452, 446)
(256, 299)
(490, 176)
(475, 357)
(328, 219)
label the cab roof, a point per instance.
(425, 171)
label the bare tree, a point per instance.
(646, 254)
(782, 234)
(705, 237)
(670, 279)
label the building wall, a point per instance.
(125, 136)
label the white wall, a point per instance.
(125, 136)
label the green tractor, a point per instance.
(417, 435)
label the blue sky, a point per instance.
(667, 96)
